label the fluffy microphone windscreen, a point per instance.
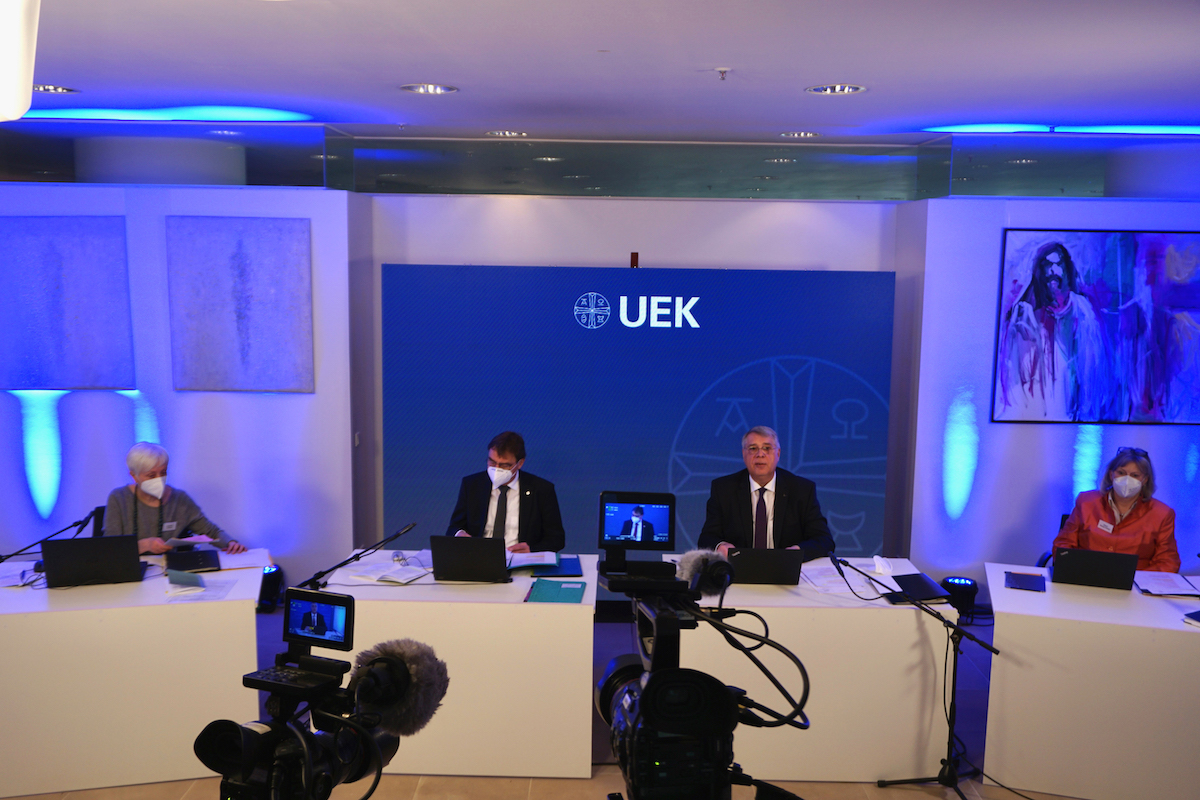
(404, 663)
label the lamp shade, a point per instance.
(18, 42)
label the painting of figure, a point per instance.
(1098, 327)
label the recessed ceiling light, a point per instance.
(506, 134)
(576, 177)
(764, 177)
(547, 158)
(226, 133)
(428, 88)
(1023, 161)
(779, 160)
(799, 134)
(836, 88)
(592, 188)
(49, 88)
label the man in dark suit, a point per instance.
(525, 504)
(763, 506)
(637, 529)
(313, 621)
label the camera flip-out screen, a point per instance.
(319, 619)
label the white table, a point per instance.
(1094, 693)
(109, 685)
(876, 673)
(519, 702)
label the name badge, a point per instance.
(1102, 525)
(170, 526)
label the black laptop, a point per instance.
(91, 561)
(469, 558)
(1094, 568)
(757, 565)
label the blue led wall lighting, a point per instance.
(1191, 462)
(43, 445)
(1088, 445)
(960, 453)
(175, 114)
(145, 421)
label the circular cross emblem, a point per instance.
(592, 310)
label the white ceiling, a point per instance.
(636, 69)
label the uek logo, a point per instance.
(592, 310)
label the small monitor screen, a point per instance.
(637, 520)
(319, 619)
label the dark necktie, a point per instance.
(760, 519)
(501, 514)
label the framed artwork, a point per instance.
(1098, 327)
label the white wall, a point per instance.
(272, 469)
(1024, 478)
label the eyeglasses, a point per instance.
(765, 449)
(1137, 451)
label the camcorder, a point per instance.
(318, 734)
(672, 727)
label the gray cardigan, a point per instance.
(178, 509)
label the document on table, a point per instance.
(1153, 582)
(387, 572)
(547, 558)
(214, 589)
(825, 578)
(258, 557)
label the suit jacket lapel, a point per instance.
(525, 510)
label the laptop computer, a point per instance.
(1094, 568)
(91, 561)
(779, 567)
(469, 558)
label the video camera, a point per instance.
(320, 735)
(672, 727)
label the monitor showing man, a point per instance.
(505, 502)
(763, 506)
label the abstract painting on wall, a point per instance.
(64, 304)
(1098, 327)
(241, 303)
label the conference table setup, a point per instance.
(519, 701)
(109, 685)
(1093, 694)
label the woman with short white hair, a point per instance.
(155, 512)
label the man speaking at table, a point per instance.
(504, 502)
(764, 506)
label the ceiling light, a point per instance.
(49, 88)
(799, 134)
(780, 160)
(1023, 161)
(576, 177)
(506, 134)
(764, 177)
(428, 88)
(18, 44)
(226, 133)
(1161, 130)
(836, 88)
(992, 127)
(547, 158)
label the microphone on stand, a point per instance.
(315, 581)
(78, 524)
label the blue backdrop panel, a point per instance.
(635, 380)
(64, 304)
(241, 303)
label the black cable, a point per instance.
(728, 631)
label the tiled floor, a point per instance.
(611, 639)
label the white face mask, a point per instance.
(1126, 486)
(154, 487)
(500, 476)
